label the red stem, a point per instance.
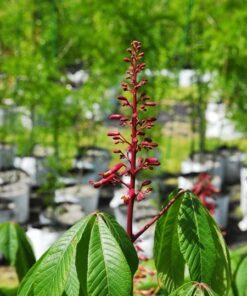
(133, 151)
(156, 217)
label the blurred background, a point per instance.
(60, 72)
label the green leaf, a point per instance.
(241, 278)
(108, 271)
(221, 281)
(124, 242)
(49, 276)
(169, 261)
(86, 260)
(194, 289)
(16, 248)
(202, 245)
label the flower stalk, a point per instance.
(131, 163)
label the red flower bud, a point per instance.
(140, 196)
(152, 161)
(113, 134)
(117, 151)
(127, 60)
(113, 170)
(146, 182)
(150, 104)
(124, 86)
(121, 98)
(102, 181)
(115, 116)
(148, 145)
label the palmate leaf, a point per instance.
(16, 248)
(202, 245)
(167, 255)
(86, 260)
(194, 289)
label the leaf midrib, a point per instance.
(197, 226)
(106, 269)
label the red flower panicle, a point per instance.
(137, 140)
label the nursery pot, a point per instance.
(243, 199)
(6, 210)
(36, 167)
(83, 194)
(222, 210)
(6, 156)
(19, 194)
(42, 237)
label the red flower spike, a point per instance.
(137, 103)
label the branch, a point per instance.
(156, 217)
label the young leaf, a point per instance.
(16, 248)
(108, 271)
(202, 245)
(194, 289)
(167, 255)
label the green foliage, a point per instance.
(168, 257)
(16, 248)
(239, 267)
(241, 276)
(201, 245)
(89, 259)
(188, 233)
